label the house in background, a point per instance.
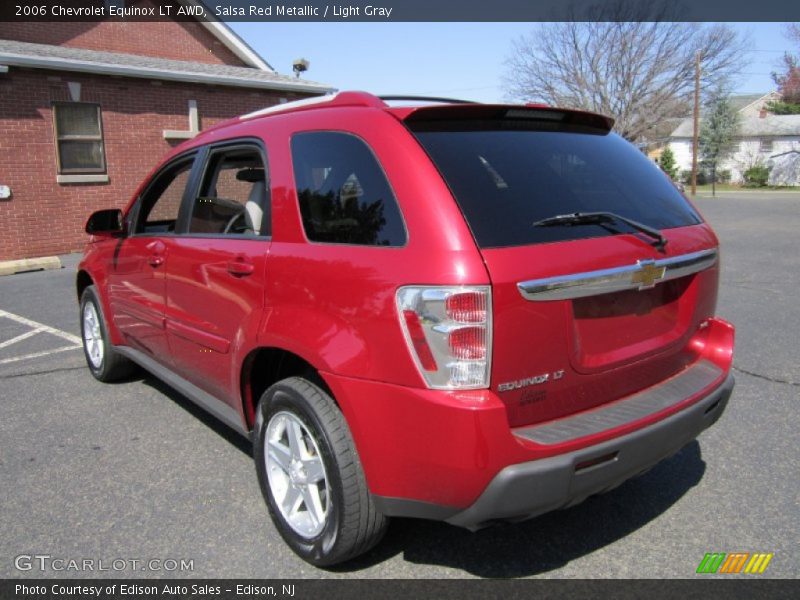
(87, 109)
(763, 139)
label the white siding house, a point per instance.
(763, 138)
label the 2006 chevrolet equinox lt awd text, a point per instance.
(451, 311)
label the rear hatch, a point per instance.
(586, 309)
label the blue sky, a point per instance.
(463, 60)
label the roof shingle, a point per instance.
(769, 126)
(95, 61)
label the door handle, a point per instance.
(156, 250)
(240, 266)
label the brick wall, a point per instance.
(168, 39)
(44, 218)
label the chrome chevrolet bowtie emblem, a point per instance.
(648, 274)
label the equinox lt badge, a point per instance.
(529, 381)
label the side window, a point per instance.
(234, 195)
(343, 193)
(162, 200)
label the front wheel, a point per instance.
(103, 362)
(311, 475)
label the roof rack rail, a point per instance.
(364, 99)
(337, 99)
(427, 99)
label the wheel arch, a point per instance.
(82, 281)
(266, 365)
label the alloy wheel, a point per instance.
(296, 474)
(92, 336)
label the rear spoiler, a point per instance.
(510, 116)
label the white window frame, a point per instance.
(59, 137)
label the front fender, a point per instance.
(96, 257)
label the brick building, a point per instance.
(87, 109)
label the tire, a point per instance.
(347, 523)
(104, 363)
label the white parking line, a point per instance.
(41, 326)
(22, 336)
(37, 354)
(36, 328)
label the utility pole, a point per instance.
(696, 132)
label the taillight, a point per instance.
(468, 343)
(466, 307)
(448, 330)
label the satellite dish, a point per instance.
(300, 65)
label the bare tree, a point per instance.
(624, 59)
(792, 31)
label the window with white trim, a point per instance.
(79, 138)
(765, 145)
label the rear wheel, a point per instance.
(311, 476)
(104, 363)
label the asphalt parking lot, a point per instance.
(133, 471)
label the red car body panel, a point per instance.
(607, 347)
(209, 309)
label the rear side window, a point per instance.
(504, 180)
(343, 193)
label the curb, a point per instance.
(43, 263)
(753, 191)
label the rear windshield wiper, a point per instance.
(588, 218)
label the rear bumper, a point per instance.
(532, 488)
(452, 456)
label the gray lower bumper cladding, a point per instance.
(529, 489)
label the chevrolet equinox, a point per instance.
(442, 310)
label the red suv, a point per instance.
(451, 311)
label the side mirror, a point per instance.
(105, 222)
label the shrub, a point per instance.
(702, 177)
(756, 176)
(723, 176)
(783, 108)
(667, 162)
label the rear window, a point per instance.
(505, 180)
